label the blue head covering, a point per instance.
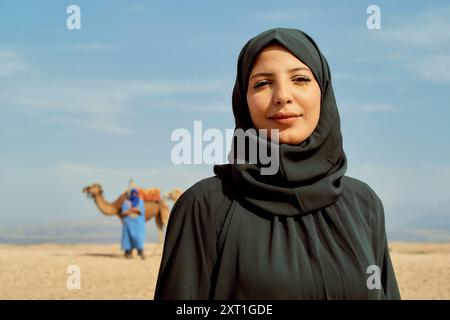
(134, 197)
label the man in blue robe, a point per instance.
(133, 229)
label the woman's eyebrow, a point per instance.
(265, 74)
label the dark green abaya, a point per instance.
(307, 232)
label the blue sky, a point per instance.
(99, 104)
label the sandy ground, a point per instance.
(40, 271)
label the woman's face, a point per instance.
(283, 94)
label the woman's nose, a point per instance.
(281, 95)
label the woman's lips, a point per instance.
(285, 118)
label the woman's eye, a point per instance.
(302, 79)
(260, 84)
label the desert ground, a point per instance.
(41, 271)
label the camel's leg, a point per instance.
(165, 215)
(159, 224)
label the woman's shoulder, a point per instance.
(216, 188)
(207, 188)
(207, 199)
(360, 190)
(364, 198)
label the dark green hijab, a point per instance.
(309, 175)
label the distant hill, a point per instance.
(426, 228)
(430, 228)
(98, 230)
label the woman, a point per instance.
(306, 232)
(133, 229)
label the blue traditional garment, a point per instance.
(133, 229)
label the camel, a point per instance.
(158, 209)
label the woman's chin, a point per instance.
(293, 138)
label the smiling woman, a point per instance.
(305, 232)
(283, 94)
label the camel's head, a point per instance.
(174, 194)
(93, 190)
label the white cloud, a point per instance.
(87, 47)
(434, 67)
(96, 123)
(101, 97)
(70, 97)
(429, 28)
(79, 169)
(91, 106)
(164, 87)
(137, 8)
(105, 106)
(13, 132)
(361, 78)
(95, 105)
(214, 108)
(166, 178)
(421, 44)
(12, 62)
(286, 16)
(278, 17)
(369, 107)
(421, 185)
